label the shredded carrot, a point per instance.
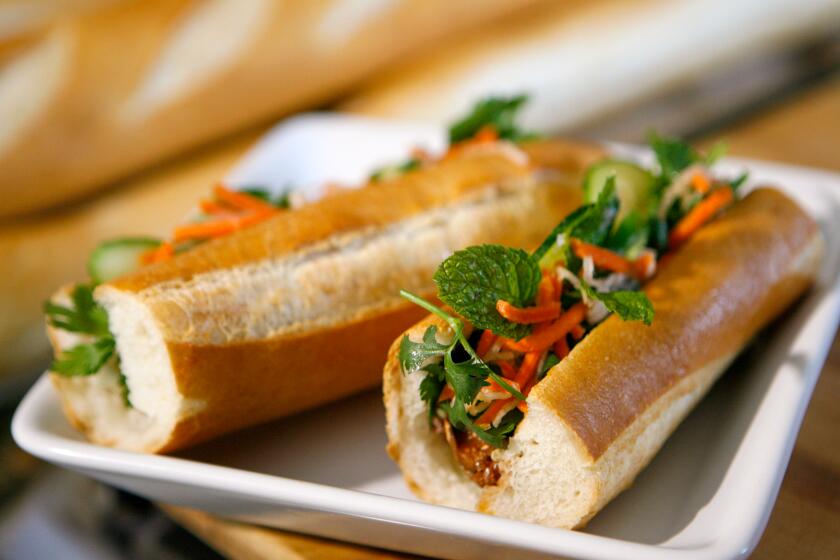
(486, 135)
(241, 201)
(528, 315)
(206, 230)
(699, 215)
(158, 254)
(528, 367)
(561, 347)
(488, 339)
(214, 208)
(549, 288)
(446, 394)
(508, 371)
(522, 406)
(421, 154)
(577, 332)
(545, 338)
(701, 183)
(489, 415)
(603, 258)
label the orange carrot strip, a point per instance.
(215, 209)
(561, 347)
(241, 201)
(508, 371)
(528, 315)
(205, 230)
(603, 258)
(528, 367)
(489, 415)
(549, 288)
(543, 339)
(577, 332)
(158, 254)
(446, 394)
(699, 215)
(486, 135)
(523, 406)
(485, 343)
(701, 183)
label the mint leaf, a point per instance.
(629, 305)
(471, 281)
(86, 316)
(413, 355)
(84, 359)
(498, 112)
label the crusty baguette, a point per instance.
(95, 97)
(299, 310)
(602, 413)
(547, 51)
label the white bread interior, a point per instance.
(548, 476)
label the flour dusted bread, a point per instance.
(602, 413)
(299, 310)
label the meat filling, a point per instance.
(471, 453)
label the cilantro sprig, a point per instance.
(466, 377)
(85, 316)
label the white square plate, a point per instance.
(707, 494)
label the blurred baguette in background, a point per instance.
(89, 99)
(583, 60)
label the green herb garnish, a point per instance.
(497, 112)
(471, 281)
(466, 377)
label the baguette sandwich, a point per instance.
(556, 376)
(258, 310)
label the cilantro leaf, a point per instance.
(431, 387)
(508, 424)
(413, 355)
(471, 281)
(739, 180)
(85, 316)
(498, 112)
(466, 378)
(673, 154)
(84, 359)
(460, 420)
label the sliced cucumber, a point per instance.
(634, 186)
(117, 257)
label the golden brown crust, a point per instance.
(245, 384)
(355, 210)
(716, 293)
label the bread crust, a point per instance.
(244, 381)
(354, 210)
(729, 281)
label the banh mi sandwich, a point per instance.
(263, 307)
(555, 376)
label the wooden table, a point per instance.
(805, 522)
